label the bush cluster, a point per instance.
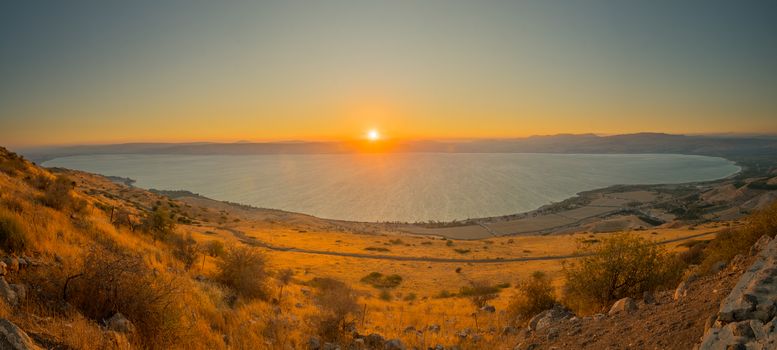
(534, 295)
(243, 269)
(622, 265)
(379, 280)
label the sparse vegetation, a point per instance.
(534, 295)
(479, 293)
(381, 281)
(244, 270)
(13, 237)
(622, 265)
(337, 309)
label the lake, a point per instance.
(401, 186)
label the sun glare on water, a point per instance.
(373, 135)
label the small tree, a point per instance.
(284, 277)
(623, 265)
(243, 269)
(159, 223)
(535, 295)
(187, 250)
(337, 305)
(479, 293)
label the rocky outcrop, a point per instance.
(549, 317)
(13, 338)
(623, 305)
(746, 319)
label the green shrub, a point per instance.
(13, 237)
(159, 223)
(244, 270)
(731, 242)
(622, 265)
(379, 280)
(479, 293)
(535, 295)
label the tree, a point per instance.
(159, 223)
(622, 265)
(284, 277)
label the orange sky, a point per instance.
(107, 73)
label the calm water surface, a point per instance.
(399, 187)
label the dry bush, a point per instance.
(479, 293)
(159, 223)
(535, 295)
(623, 265)
(244, 270)
(729, 243)
(215, 248)
(186, 249)
(57, 194)
(13, 237)
(114, 282)
(379, 280)
(337, 306)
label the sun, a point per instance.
(373, 135)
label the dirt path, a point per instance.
(240, 235)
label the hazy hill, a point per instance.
(565, 143)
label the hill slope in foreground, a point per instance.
(92, 264)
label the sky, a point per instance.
(82, 72)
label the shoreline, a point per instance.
(608, 209)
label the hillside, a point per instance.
(92, 263)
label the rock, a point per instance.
(439, 347)
(359, 343)
(464, 333)
(20, 290)
(374, 341)
(314, 343)
(648, 297)
(681, 291)
(717, 267)
(508, 330)
(746, 318)
(119, 323)
(394, 344)
(552, 334)
(549, 317)
(488, 308)
(759, 245)
(7, 293)
(22, 263)
(330, 346)
(409, 329)
(13, 338)
(624, 305)
(200, 278)
(12, 264)
(433, 328)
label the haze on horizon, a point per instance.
(106, 72)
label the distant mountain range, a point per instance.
(723, 146)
